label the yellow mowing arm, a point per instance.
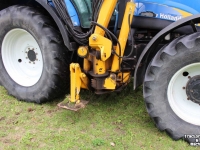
(123, 36)
(99, 62)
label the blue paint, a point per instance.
(161, 9)
(186, 5)
(71, 10)
(164, 9)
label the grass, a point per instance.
(109, 122)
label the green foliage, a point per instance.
(98, 142)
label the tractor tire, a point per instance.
(171, 88)
(34, 63)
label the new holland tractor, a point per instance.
(49, 46)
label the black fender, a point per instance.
(59, 23)
(144, 58)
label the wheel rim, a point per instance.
(177, 97)
(22, 57)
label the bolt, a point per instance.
(112, 76)
(36, 59)
(83, 75)
(33, 49)
(26, 52)
(28, 48)
(183, 87)
(36, 53)
(94, 38)
(189, 77)
(29, 62)
(26, 57)
(33, 62)
(188, 98)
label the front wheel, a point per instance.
(34, 65)
(172, 88)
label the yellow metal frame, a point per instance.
(102, 44)
(105, 15)
(78, 80)
(123, 36)
(98, 41)
(106, 62)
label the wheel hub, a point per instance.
(31, 55)
(193, 89)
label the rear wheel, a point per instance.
(172, 87)
(33, 63)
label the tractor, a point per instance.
(50, 46)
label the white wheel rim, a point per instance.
(17, 47)
(177, 97)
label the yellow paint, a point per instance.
(105, 14)
(123, 36)
(110, 82)
(124, 77)
(78, 80)
(86, 65)
(98, 41)
(99, 66)
(82, 51)
(183, 13)
(102, 44)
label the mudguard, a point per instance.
(57, 20)
(144, 58)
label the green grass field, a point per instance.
(109, 122)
